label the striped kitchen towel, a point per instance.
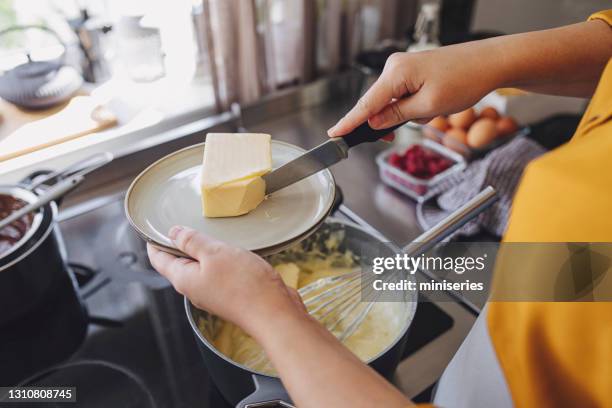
(501, 168)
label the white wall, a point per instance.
(514, 16)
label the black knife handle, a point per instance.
(365, 134)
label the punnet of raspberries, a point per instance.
(420, 162)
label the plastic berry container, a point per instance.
(418, 188)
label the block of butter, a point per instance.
(231, 173)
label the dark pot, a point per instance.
(246, 388)
(35, 265)
(42, 317)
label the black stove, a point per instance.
(119, 333)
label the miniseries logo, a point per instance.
(410, 264)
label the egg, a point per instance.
(438, 123)
(463, 119)
(482, 132)
(506, 125)
(489, 112)
(456, 139)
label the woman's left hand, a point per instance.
(229, 282)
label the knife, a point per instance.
(323, 156)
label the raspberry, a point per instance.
(433, 167)
(444, 164)
(420, 162)
(411, 167)
(396, 160)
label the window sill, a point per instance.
(142, 110)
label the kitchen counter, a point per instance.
(139, 111)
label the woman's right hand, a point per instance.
(421, 85)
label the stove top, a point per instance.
(137, 349)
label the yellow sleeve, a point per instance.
(605, 15)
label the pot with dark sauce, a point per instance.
(14, 232)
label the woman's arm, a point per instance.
(316, 369)
(562, 61)
(239, 286)
(418, 86)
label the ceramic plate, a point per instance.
(167, 193)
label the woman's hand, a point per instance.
(419, 86)
(241, 287)
(229, 282)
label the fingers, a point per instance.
(423, 121)
(191, 242)
(374, 100)
(395, 82)
(401, 111)
(179, 271)
(159, 259)
(389, 138)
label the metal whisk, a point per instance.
(336, 301)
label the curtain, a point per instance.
(257, 46)
(289, 32)
(237, 67)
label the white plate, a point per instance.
(167, 193)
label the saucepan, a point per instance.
(32, 258)
(244, 387)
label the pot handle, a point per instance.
(269, 393)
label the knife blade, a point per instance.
(311, 162)
(322, 157)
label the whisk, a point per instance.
(336, 301)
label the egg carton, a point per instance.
(471, 153)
